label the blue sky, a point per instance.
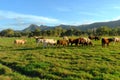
(19, 14)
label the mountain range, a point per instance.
(111, 24)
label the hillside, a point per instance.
(111, 24)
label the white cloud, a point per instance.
(22, 18)
(18, 21)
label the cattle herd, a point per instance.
(65, 41)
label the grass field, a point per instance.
(31, 62)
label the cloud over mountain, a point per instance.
(9, 18)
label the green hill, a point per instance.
(111, 24)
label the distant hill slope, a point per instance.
(111, 24)
(33, 27)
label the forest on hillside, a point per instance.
(59, 31)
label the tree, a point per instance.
(103, 30)
(17, 34)
(7, 33)
(50, 32)
(69, 32)
(36, 32)
(77, 32)
(118, 30)
(58, 30)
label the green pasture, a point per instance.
(32, 62)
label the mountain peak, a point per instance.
(32, 27)
(111, 24)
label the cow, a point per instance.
(47, 42)
(39, 40)
(62, 42)
(94, 37)
(87, 41)
(116, 39)
(74, 41)
(83, 41)
(19, 41)
(106, 41)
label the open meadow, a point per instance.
(32, 62)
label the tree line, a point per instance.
(59, 31)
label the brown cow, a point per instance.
(83, 41)
(74, 41)
(106, 41)
(62, 42)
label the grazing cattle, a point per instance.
(116, 39)
(20, 41)
(74, 41)
(47, 42)
(87, 41)
(65, 38)
(62, 42)
(83, 41)
(39, 40)
(94, 37)
(106, 41)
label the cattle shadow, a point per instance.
(23, 49)
(28, 48)
(41, 48)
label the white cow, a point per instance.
(39, 40)
(50, 42)
(88, 41)
(45, 42)
(19, 41)
(116, 39)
